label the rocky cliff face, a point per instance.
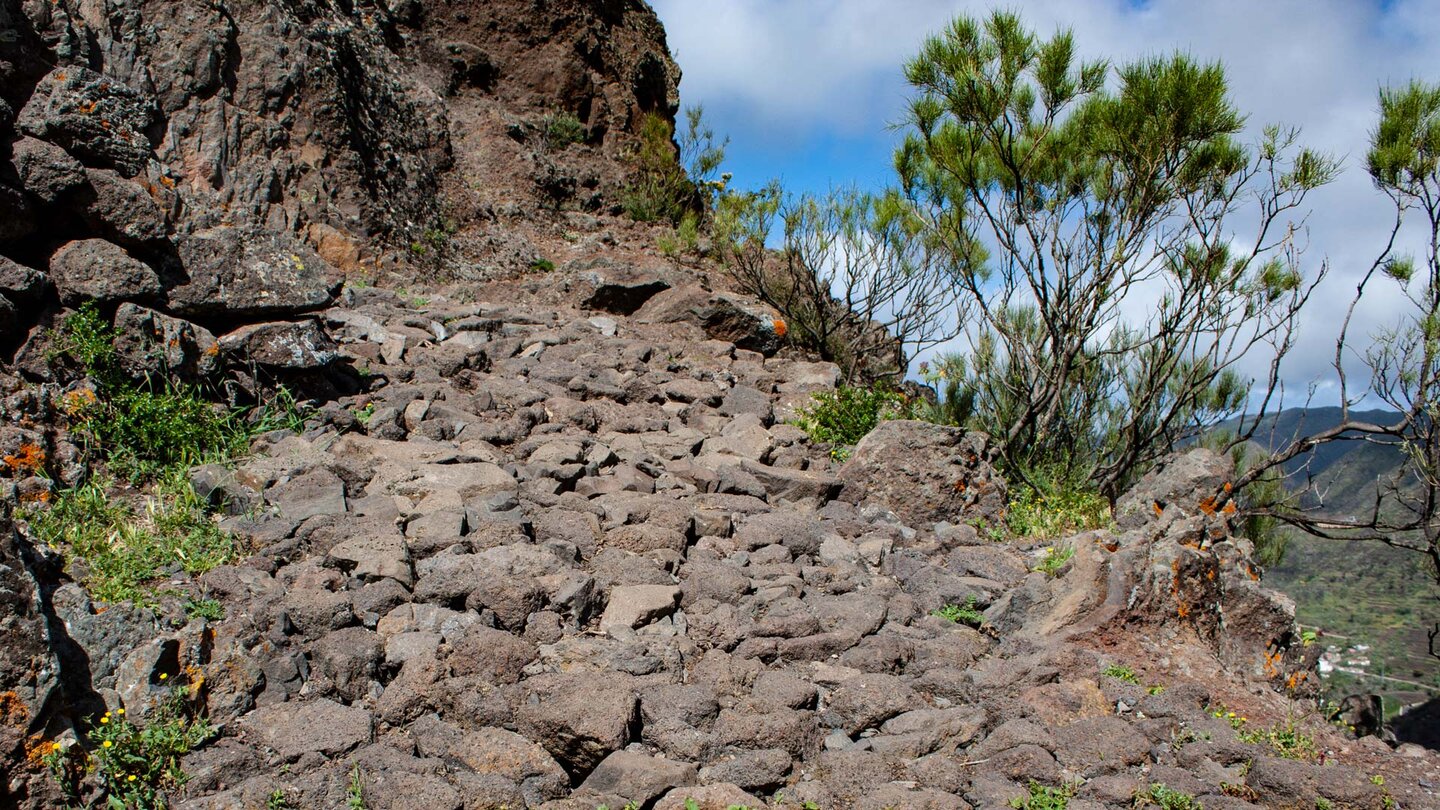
(351, 129)
(549, 540)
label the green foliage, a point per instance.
(563, 129)
(208, 609)
(542, 265)
(1054, 560)
(365, 414)
(1283, 738)
(1122, 673)
(1044, 798)
(1092, 196)
(134, 763)
(966, 614)
(1158, 795)
(684, 239)
(277, 800)
(143, 429)
(355, 790)
(954, 403)
(844, 416)
(672, 181)
(121, 549)
(1045, 504)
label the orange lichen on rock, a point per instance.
(12, 710)
(31, 459)
(780, 327)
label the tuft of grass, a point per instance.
(1054, 560)
(966, 614)
(1121, 673)
(542, 265)
(117, 549)
(277, 800)
(355, 791)
(844, 416)
(143, 429)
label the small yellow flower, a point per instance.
(130, 778)
(119, 711)
(56, 747)
(163, 676)
(105, 719)
(1229, 714)
(106, 744)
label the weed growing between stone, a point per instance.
(1121, 673)
(116, 549)
(1044, 798)
(1285, 739)
(355, 790)
(1045, 505)
(966, 614)
(134, 763)
(1054, 560)
(1158, 795)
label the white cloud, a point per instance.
(787, 72)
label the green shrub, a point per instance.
(121, 549)
(563, 129)
(673, 180)
(1045, 503)
(842, 417)
(142, 429)
(1121, 673)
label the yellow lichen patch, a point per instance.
(12, 710)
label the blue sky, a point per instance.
(808, 91)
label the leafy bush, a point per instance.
(121, 549)
(1044, 798)
(1121, 673)
(563, 129)
(1045, 504)
(844, 416)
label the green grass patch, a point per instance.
(1157, 795)
(117, 547)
